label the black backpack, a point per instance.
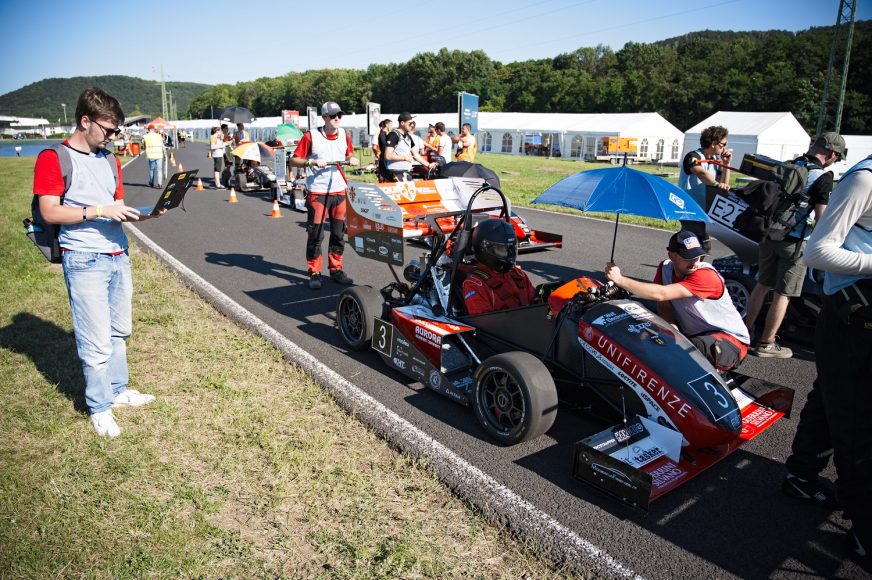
(44, 235)
(775, 206)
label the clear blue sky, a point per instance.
(220, 41)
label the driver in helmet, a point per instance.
(496, 283)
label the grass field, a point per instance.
(242, 468)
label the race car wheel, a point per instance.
(514, 397)
(739, 287)
(355, 315)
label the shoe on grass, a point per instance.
(105, 425)
(771, 350)
(132, 398)
(817, 491)
(315, 281)
(340, 277)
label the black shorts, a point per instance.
(218, 163)
(723, 354)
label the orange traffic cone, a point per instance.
(181, 168)
(276, 211)
(172, 160)
(232, 196)
(200, 184)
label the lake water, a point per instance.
(28, 148)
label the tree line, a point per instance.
(137, 96)
(685, 79)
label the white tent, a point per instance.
(775, 135)
(573, 135)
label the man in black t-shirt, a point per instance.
(780, 261)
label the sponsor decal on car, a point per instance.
(613, 474)
(637, 328)
(435, 379)
(635, 374)
(399, 363)
(667, 474)
(428, 336)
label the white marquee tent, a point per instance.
(573, 135)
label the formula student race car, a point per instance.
(418, 199)
(450, 196)
(674, 415)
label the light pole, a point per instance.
(64, 105)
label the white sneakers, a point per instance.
(104, 423)
(132, 398)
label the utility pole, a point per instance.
(163, 93)
(64, 105)
(830, 115)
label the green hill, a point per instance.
(137, 96)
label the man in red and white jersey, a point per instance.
(319, 151)
(691, 295)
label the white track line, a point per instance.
(499, 503)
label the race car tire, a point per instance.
(356, 311)
(514, 397)
(739, 287)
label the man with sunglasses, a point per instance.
(692, 295)
(154, 152)
(697, 172)
(87, 200)
(319, 151)
(401, 150)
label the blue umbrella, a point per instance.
(623, 190)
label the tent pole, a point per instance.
(615, 237)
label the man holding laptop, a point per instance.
(88, 203)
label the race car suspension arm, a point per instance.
(468, 349)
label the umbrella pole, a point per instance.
(615, 237)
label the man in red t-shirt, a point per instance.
(692, 296)
(90, 209)
(319, 151)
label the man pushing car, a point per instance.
(691, 295)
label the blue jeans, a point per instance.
(100, 289)
(155, 172)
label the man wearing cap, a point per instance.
(780, 261)
(400, 149)
(692, 295)
(318, 151)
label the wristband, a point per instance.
(99, 211)
(309, 163)
(84, 214)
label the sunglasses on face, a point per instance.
(336, 116)
(107, 133)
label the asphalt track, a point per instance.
(731, 521)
